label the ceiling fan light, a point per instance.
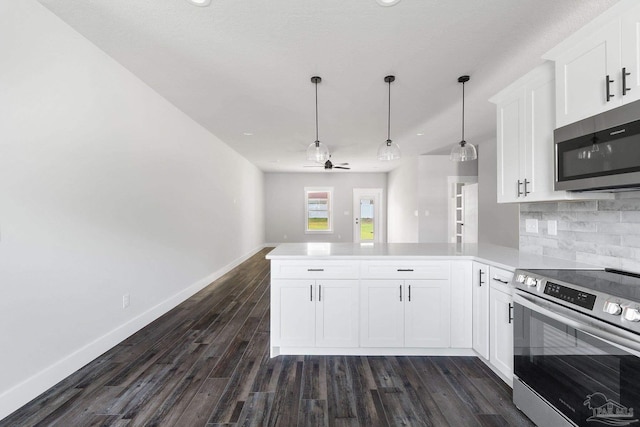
(463, 152)
(317, 152)
(388, 150)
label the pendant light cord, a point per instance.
(316, 83)
(463, 111)
(389, 114)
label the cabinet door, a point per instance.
(481, 309)
(293, 313)
(427, 319)
(337, 313)
(581, 76)
(631, 54)
(511, 135)
(382, 313)
(501, 334)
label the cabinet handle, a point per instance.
(501, 281)
(525, 187)
(319, 293)
(510, 312)
(405, 269)
(409, 293)
(315, 269)
(625, 89)
(310, 292)
(400, 292)
(519, 193)
(480, 277)
(609, 94)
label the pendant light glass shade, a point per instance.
(317, 151)
(463, 151)
(389, 150)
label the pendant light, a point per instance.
(463, 151)
(389, 150)
(317, 151)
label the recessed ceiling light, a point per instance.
(419, 134)
(247, 133)
(201, 3)
(388, 2)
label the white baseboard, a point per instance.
(24, 392)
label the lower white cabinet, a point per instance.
(480, 283)
(405, 313)
(501, 326)
(314, 313)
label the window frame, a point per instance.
(329, 191)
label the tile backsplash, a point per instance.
(605, 233)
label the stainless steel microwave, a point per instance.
(600, 153)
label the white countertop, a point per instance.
(499, 256)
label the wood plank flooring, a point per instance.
(206, 363)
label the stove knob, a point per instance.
(531, 282)
(631, 314)
(521, 278)
(612, 308)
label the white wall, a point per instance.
(402, 204)
(105, 189)
(284, 203)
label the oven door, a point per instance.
(587, 371)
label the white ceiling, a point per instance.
(244, 66)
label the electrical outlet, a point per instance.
(552, 227)
(531, 225)
(126, 300)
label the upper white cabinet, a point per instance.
(525, 148)
(598, 67)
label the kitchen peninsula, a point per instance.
(397, 299)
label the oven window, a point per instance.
(589, 380)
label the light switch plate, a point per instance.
(531, 225)
(552, 227)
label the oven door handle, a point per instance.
(628, 341)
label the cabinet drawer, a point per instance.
(314, 269)
(501, 279)
(405, 270)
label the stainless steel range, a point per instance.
(577, 347)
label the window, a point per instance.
(318, 210)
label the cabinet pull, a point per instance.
(501, 281)
(409, 293)
(609, 94)
(310, 292)
(525, 187)
(519, 193)
(400, 292)
(405, 269)
(319, 293)
(315, 269)
(625, 89)
(510, 312)
(480, 277)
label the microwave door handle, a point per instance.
(621, 338)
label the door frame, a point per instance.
(379, 213)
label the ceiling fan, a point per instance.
(329, 165)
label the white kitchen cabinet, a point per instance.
(589, 65)
(501, 322)
(314, 313)
(480, 292)
(381, 313)
(525, 148)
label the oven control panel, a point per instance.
(570, 295)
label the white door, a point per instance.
(501, 324)
(481, 309)
(293, 303)
(511, 136)
(427, 313)
(367, 215)
(382, 313)
(337, 313)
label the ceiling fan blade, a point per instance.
(313, 166)
(341, 164)
(340, 167)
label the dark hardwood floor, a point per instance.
(206, 363)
